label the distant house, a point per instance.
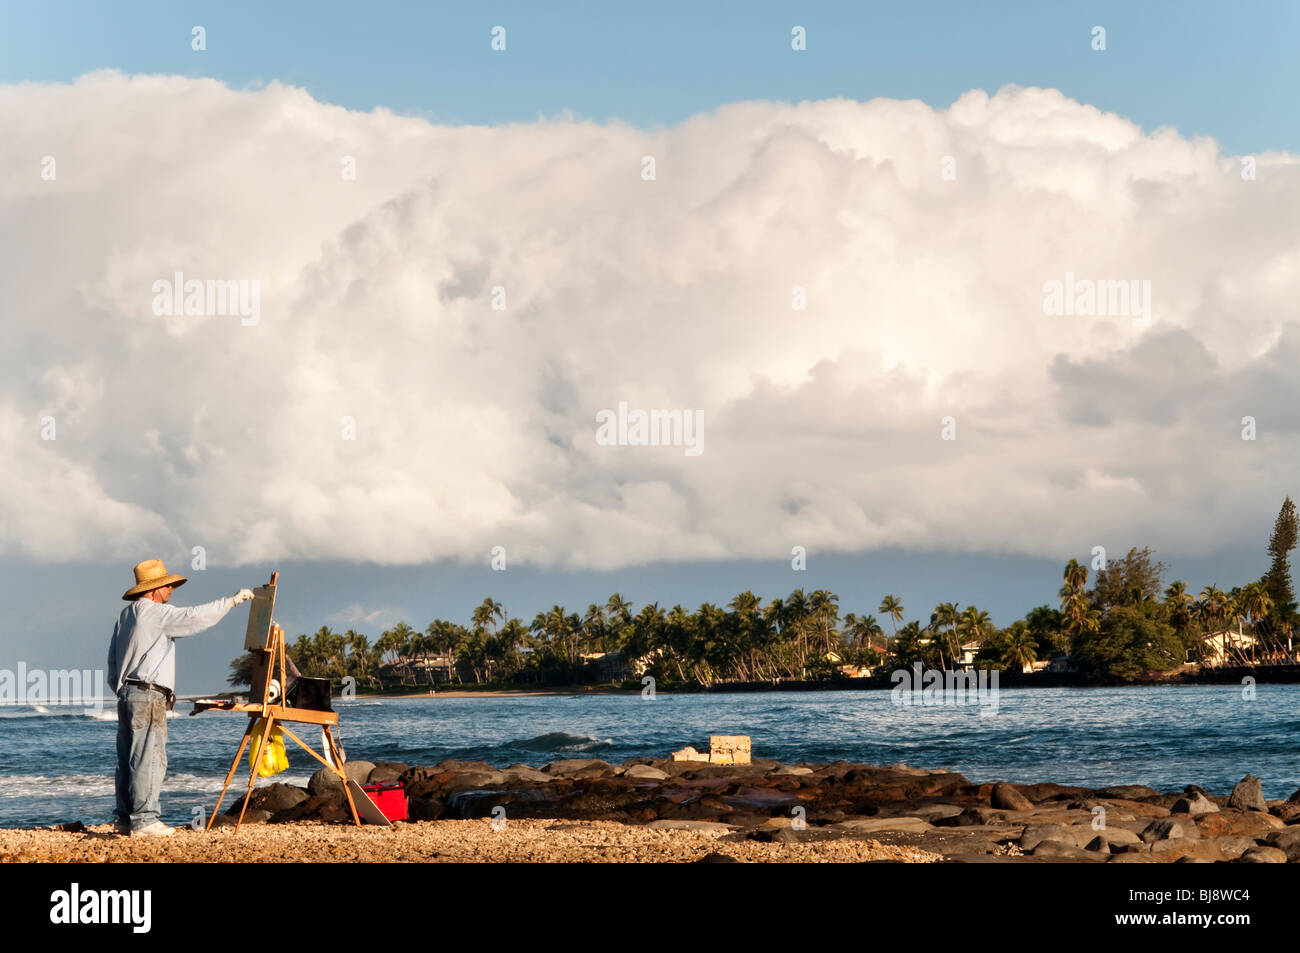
(1224, 646)
(966, 659)
(1060, 663)
(613, 666)
(421, 671)
(855, 671)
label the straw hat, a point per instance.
(151, 574)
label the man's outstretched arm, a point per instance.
(179, 622)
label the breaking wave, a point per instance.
(87, 712)
(561, 741)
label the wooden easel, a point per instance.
(267, 638)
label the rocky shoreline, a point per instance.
(936, 812)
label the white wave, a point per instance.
(94, 709)
(102, 785)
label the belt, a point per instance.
(162, 689)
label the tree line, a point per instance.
(1118, 620)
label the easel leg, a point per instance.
(233, 765)
(342, 770)
(257, 763)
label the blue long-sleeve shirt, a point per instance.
(143, 646)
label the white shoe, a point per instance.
(156, 829)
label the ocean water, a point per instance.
(56, 763)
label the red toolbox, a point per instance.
(389, 798)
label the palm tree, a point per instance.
(1212, 609)
(825, 611)
(946, 614)
(1179, 603)
(618, 620)
(797, 611)
(973, 623)
(1076, 576)
(892, 607)
(1257, 604)
(1019, 650)
(489, 613)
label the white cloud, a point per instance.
(476, 427)
(355, 613)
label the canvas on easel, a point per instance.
(268, 707)
(257, 638)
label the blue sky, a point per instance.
(1206, 69)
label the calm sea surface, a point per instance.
(56, 763)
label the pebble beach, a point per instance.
(476, 841)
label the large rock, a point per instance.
(385, 772)
(273, 798)
(315, 808)
(1007, 798)
(1169, 828)
(1288, 841)
(1195, 805)
(937, 812)
(522, 773)
(325, 782)
(1118, 836)
(1036, 834)
(1248, 795)
(1285, 811)
(645, 772)
(1241, 823)
(1263, 855)
(359, 771)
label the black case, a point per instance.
(312, 694)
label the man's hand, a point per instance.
(243, 595)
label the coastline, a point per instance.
(661, 810)
(1264, 674)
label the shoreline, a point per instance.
(661, 810)
(1265, 675)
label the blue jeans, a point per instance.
(141, 755)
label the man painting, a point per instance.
(142, 671)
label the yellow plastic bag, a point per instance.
(274, 760)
